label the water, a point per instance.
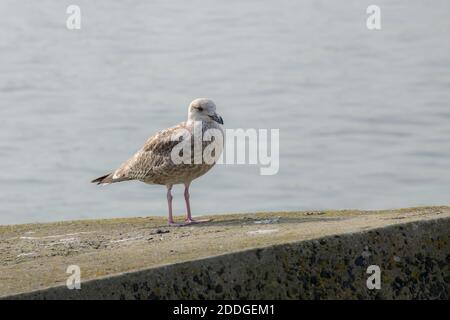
(364, 116)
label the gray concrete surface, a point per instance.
(295, 255)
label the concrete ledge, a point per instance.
(296, 255)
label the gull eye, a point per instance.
(200, 109)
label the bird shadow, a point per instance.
(262, 221)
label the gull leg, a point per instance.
(169, 203)
(188, 219)
(188, 203)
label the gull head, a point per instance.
(203, 109)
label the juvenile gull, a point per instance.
(153, 163)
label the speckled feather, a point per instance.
(153, 164)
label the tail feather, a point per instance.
(108, 178)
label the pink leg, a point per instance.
(188, 219)
(188, 203)
(169, 203)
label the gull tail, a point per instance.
(106, 179)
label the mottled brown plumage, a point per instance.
(153, 163)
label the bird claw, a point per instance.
(188, 222)
(192, 221)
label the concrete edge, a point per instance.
(98, 288)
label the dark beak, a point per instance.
(217, 118)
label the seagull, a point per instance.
(154, 162)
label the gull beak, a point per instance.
(217, 118)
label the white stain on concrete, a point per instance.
(127, 239)
(268, 221)
(55, 236)
(26, 254)
(264, 231)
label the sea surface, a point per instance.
(364, 115)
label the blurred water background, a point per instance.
(364, 116)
